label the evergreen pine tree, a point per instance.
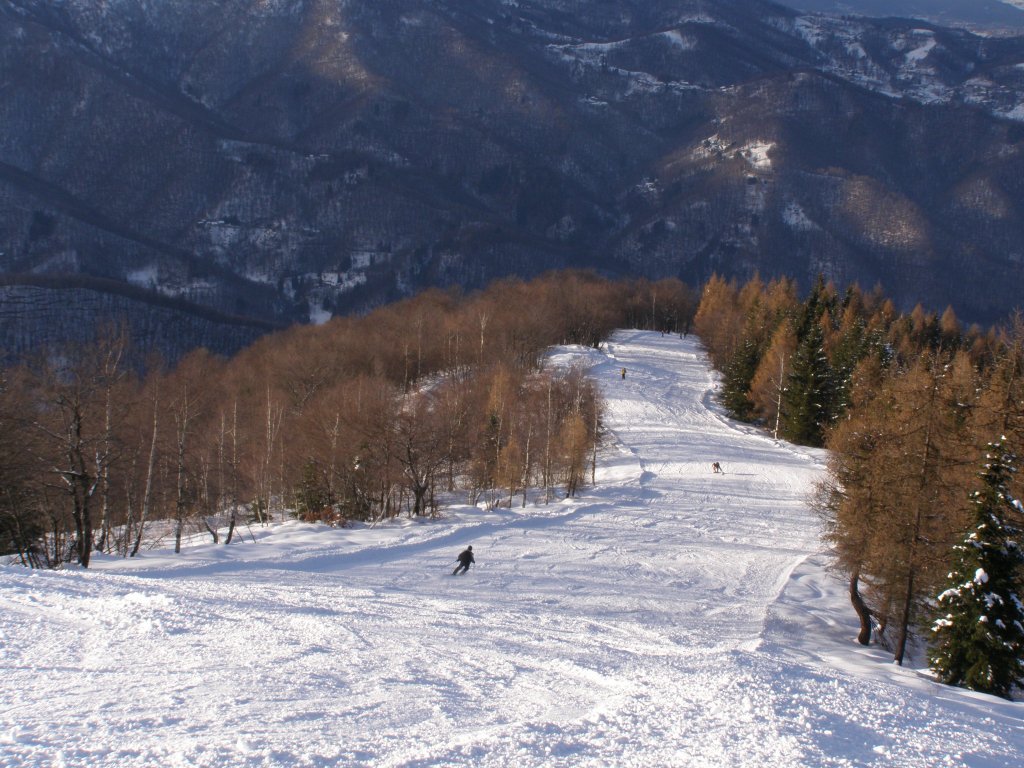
(850, 349)
(978, 640)
(737, 378)
(807, 399)
(818, 301)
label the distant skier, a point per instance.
(465, 558)
(717, 468)
(623, 373)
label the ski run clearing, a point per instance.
(669, 616)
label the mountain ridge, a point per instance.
(293, 160)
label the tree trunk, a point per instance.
(778, 401)
(105, 467)
(234, 471)
(212, 531)
(147, 495)
(231, 527)
(419, 496)
(83, 517)
(546, 472)
(180, 502)
(526, 463)
(863, 613)
(85, 549)
(104, 526)
(901, 643)
(81, 486)
(915, 534)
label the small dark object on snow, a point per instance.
(465, 558)
(623, 373)
(716, 467)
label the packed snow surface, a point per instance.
(670, 616)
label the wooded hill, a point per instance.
(363, 418)
(916, 412)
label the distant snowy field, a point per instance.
(668, 617)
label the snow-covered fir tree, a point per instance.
(978, 638)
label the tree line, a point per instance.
(364, 418)
(917, 412)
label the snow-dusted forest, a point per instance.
(668, 615)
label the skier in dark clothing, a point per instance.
(465, 558)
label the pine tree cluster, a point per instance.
(906, 404)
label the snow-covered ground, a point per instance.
(668, 617)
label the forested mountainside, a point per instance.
(990, 15)
(287, 160)
(51, 311)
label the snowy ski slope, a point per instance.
(669, 617)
